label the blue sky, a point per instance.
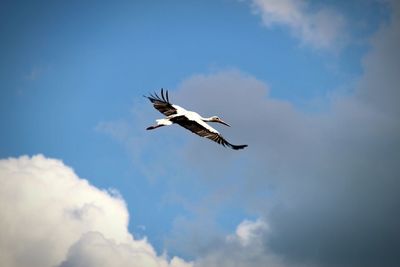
(73, 74)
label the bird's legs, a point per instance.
(154, 127)
(160, 123)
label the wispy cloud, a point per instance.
(34, 73)
(322, 28)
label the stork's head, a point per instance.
(217, 119)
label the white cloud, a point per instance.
(93, 249)
(51, 217)
(248, 231)
(323, 28)
(244, 248)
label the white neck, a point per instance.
(207, 119)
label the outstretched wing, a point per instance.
(162, 103)
(202, 131)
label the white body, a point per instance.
(191, 115)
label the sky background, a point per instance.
(311, 86)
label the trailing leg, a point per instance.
(160, 123)
(154, 127)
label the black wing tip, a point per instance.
(155, 97)
(238, 147)
(235, 147)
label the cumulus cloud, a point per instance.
(51, 217)
(244, 248)
(249, 231)
(323, 28)
(93, 249)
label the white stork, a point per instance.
(187, 119)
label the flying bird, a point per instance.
(187, 119)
